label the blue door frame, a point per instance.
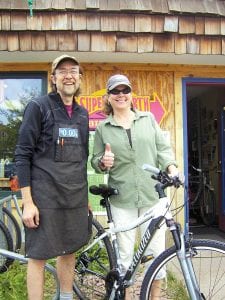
(200, 81)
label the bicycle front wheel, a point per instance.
(92, 266)
(207, 206)
(208, 260)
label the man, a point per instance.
(51, 159)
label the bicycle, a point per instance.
(193, 267)
(9, 249)
(201, 196)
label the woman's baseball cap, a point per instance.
(116, 80)
(62, 58)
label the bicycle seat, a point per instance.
(104, 190)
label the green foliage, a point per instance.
(13, 283)
(176, 287)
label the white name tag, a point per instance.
(68, 132)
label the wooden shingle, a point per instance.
(110, 22)
(222, 24)
(212, 26)
(180, 44)
(83, 41)
(6, 21)
(192, 6)
(42, 4)
(46, 21)
(145, 43)
(68, 41)
(164, 43)
(3, 41)
(109, 5)
(223, 46)
(38, 41)
(157, 23)
(36, 23)
(13, 41)
(126, 23)
(186, 25)
(79, 21)
(160, 6)
(205, 45)
(61, 21)
(171, 24)
(123, 41)
(76, 4)
(93, 22)
(216, 45)
(143, 23)
(200, 25)
(18, 21)
(25, 41)
(52, 41)
(5, 4)
(102, 42)
(193, 46)
(174, 5)
(93, 4)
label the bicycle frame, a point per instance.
(15, 201)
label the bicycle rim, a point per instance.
(92, 267)
(14, 228)
(207, 207)
(6, 243)
(209, 267)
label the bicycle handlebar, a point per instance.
(163, 177)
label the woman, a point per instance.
(125, 141)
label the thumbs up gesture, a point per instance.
(107, 159)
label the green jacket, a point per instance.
(149, 145)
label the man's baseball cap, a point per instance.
(62, 58)
(116, 80)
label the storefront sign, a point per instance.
(94, 103)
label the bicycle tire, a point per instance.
(92, 266)
(6, 243)
(14, 228)
(12, 287)
(207, 206)
(208, 265)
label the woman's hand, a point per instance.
(107, 160)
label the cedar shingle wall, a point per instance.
(160, 26)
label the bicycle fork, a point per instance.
(184, 258)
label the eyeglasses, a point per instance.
(64, 72)
(124, 91)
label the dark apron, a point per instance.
(59, 189)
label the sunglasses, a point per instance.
(124, 91)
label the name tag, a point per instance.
(68, 132)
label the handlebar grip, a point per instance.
(151, 169)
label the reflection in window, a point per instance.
(16, 90)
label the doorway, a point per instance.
(203, 144)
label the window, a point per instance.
(16, 90)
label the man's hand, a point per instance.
(30, 215)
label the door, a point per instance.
(222, 148)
